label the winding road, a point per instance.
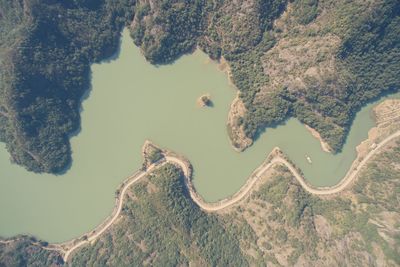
(131, 180)
(67, 248)
(244, 191)
(350, 176)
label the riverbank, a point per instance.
(237, 110)
(324, 145)
(276, 157)
(121, 127)
(237, 137)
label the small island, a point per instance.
(205, 101)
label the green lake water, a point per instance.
(132, 101)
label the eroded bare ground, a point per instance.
(304, 61)
(387, 119)
(304, 56)
(282, 225)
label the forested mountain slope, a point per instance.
(279, 224)
(24, 252)
(317, 60)
(47, 48)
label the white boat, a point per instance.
(308, 159)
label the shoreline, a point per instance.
(275, 157)
(238, 139)
(67, 248)
(324, 145)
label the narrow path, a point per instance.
(210, 207)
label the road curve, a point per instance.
(349, 177)
(67, 250)
(92, 237)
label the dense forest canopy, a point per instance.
(24, 252)
(346, 54)
(46, 72)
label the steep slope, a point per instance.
(23, 252)
(161, 226)
(282, 225)
(308, 59)
(277, 224)
(47, 48)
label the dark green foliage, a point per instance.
(371, 55)
(331, 132)
(270, 113)
(24, 253)
(178, 25)
(171, 228)
(244, 55)
(49, 74)
(305, 11)
(45, 62)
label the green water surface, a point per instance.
(132, 101)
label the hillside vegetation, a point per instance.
(317, 60)
(305, 58)
(279, 224)
(283, 225)
(161, 226)
(24, 253)
(46, 49)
